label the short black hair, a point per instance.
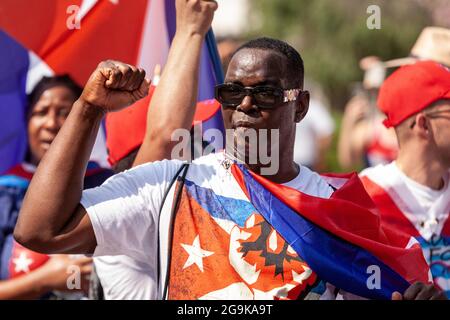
(295, 65)
(50, 82)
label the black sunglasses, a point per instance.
(265, 97)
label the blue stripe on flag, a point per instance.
(238, 210)
(14, 63)
(333, 259)
(170, 18)
(210, 68)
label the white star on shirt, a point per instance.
(22, 263)
(196, 254)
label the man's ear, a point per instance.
(302, 106)
(422, 124)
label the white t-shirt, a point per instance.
(426, 197)
(124, 211)
(427, 209)
(124, 278)
(317, 124)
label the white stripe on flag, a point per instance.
(155, 38)
(36, 70)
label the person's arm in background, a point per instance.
(173, 103)
(51, 219)
(354, 133)
(50, 276)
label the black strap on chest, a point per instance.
(180, 176)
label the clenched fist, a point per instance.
(115, 85)
(195, 16)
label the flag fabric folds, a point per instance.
(340, 238)
(42, 37)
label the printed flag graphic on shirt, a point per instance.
(40, 37)
(224, 249)
(282, 243)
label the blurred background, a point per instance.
(346, 61)
(332, 37)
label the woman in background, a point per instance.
(25, 274)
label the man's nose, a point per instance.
(246, 105)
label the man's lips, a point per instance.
(244, 124)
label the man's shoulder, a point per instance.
(166, 169)
(313, 184)
(210, 159)
(378, 171)
(383, 179)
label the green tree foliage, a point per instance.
(332, 35)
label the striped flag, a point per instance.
(342, 238)
(46, 37)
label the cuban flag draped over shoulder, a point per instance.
(47, 37)
(341, 238)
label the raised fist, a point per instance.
(195, 16)
(115, 85)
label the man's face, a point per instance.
(257, 67)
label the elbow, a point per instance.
(162, 135)
(34, 241)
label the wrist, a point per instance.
(88, 110)
(42, 280)
(189, 34)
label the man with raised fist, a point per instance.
(171, 108)
(213, 229)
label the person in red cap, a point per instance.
(413, 192)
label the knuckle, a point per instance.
(115, 73)
(102, 63)
(128, 72)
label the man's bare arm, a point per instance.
(173, 104)
(51, 219)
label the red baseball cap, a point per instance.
(125, 130)
(411, 89)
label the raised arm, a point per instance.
(354, 133)
(173, 103)
(51, 219)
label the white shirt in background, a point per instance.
(317, 124)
